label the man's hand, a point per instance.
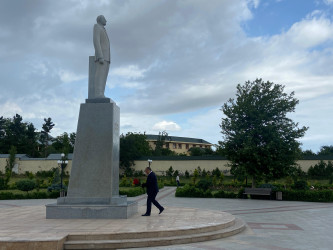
(101, 60)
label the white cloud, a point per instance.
(328, 2)
(168, 58)
(67, 76)
(131, 72)
(166, 126)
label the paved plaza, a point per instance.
(278, 225)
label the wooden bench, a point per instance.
(258, 191)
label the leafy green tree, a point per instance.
(258, 136)
(176, 173)
(204, 173)
(196, 151)
(170, 171)
(216, 172)
(160, 150)
(31, 139)
(326, 150)
(16, 134)
(195, 175)
(132, 147)
(10, 163)
(187, 174)
(45, 137)
(321, 170)
(63, 144)
(3, 146)
(308, 153)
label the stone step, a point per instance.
(230, 221)
(180, 238)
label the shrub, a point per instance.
(224, 194)
(308, 195)
(300, 185)
(191, 191)
(45, 174)
(124, 182)
(32, 195)
(204, 184)
(136, 182)
(56, 187)
(132, 192)
(267, 185)
(2, 183)
(160, 184)
(25, 185)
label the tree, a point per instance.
(10, 163)
(258, 136)
(45, 137)
(170, 171)
(3, 122)
(31, 139)
(132, 147)
(308, 153)
(195, 175)
(326, 150)
(16, 134)
(159, 149)
(64, 143)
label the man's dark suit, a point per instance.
(152, 190)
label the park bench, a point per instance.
(258, 191)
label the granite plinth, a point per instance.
(95, 166)
(99, 100)
(116, 200)
(91, 211)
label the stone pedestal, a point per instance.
(93, 190)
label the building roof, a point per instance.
(178, 139)
(20, 156)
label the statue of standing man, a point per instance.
(102, 60)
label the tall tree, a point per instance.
(31, 146)
(3, 122)
(132, 147)
(326, 150)
(45, 137)
(10, 163)
(259, 139)
(159, 149)
(63, 144)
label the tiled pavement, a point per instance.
(278, 225)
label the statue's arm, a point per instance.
(97, 44)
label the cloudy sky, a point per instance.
(174, 62)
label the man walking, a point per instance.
(152, 190)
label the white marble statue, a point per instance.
(102, 57)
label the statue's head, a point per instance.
(101, 20)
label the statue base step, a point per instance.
(91, 211)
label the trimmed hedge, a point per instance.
(191, 191)
(132, 192)
(308, 195)
(33, 195)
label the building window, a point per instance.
(167, 145)
(187, 146)
(200, 146)
(174, 145)
(180, 146)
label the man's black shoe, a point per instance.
(161, 210)
(146, 215)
